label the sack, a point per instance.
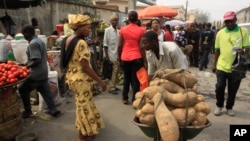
(107, 69)
(239, 67)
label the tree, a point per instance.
(201, 16)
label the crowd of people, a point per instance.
(130, 49)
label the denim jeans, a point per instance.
(223, 79)
(40, 85)
(129, 69)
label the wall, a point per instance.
(243, 16)
(51, 13)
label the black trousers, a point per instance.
(233, 82)
(129, 69)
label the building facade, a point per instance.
(243, 16)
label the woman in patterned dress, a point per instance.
(80, 77)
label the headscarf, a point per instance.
(79, 19)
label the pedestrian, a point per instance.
(110, 43)
(168, 33)
(80, 77)
(193, 36)
(35, 24)
(38, 79)
(66, 30)
(161, 55)
(131, 56)
(155, 26)
(227, 39)
(206, 44)
(92, 42)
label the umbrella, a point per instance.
(173, 23)
(157, 11)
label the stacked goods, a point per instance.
(10, 117)
(173, 92)
(11, 73)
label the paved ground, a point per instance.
(118, 117)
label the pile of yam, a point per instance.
(171, 101)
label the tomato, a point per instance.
(11, 76)
(10, 62)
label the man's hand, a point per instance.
(214, 69)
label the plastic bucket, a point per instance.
(5, 46)
(19, 48)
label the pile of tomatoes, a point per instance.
(11, 73)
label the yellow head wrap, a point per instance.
(76, 20)
(114, 16)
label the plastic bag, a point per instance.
(107, 69)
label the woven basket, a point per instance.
(10, 129)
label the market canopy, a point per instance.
(16, 4)
(157, 11)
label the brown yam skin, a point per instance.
(148, 119)
(180, 115)
(167, 124)
(178, 100)
(179, 77)
(157, 82)
(150, 91)
(136, 103)
(202, 107)
(200, 119)
(172, 87)
(148, 109)
(139, 95)
(138, 113)
(200, 98)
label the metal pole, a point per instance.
(186, 10)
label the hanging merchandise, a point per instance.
(9, 24)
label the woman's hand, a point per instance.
(102, 85)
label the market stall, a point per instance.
(10, 115)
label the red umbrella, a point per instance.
(157, 11)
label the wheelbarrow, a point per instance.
(186, 133)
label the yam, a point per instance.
(195, 88)
(154, 82)
(136, 103)
(172, 87)
(178, 100)
(148, 119)
(161, 72)
(180, 115)
(138, 113)
(148, 109)
(167, 124)
(181, 77)
(139, 95)
(200, 98)
(200, 119)
(202, 107)
(150, 91)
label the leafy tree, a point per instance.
(201, 16)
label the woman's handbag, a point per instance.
(239, 67)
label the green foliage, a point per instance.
(202, 16)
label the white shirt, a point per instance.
(171, 57)
(110, 40)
